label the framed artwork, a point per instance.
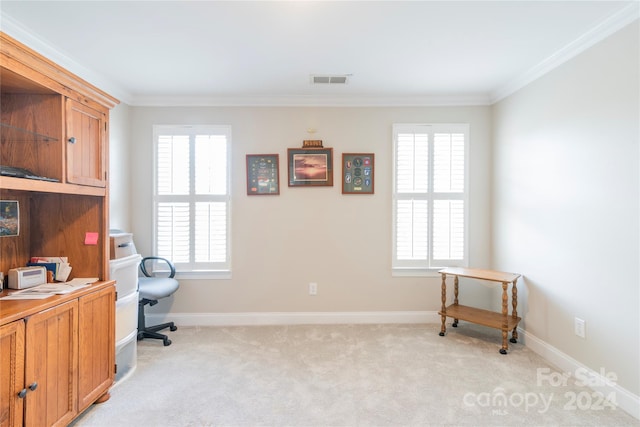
(358, 173)
(263, 174)
(310, 167)
(9, 218)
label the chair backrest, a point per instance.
(154, 266)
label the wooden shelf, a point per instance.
(23, 184)
(14, 133)
(482, 317)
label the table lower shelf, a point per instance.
(481, 317)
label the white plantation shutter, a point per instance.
(172, 231)
(412, 161)
(430, 196)
(211, 232)
(192, 197)
(412, 229)
(448, 230)
(173, 164)
(448, 167)
(211, 164)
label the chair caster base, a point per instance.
(152, 332)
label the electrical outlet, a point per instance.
(580, 327)
(313, 288)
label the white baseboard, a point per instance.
(295, 318)
(625, 400)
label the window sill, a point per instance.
(416, 272)
(204, 275)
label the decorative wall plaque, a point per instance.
(357, 173)
(312, 143)
(263, 174)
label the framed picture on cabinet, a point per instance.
(358, 170)
(9, 218)
(310, 167)
(263, 174)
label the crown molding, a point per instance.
(612, 24)
(16, 30)
(312, 101)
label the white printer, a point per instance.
(26, 277)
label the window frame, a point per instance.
(428, 267)
(190, 270)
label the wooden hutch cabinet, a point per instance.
(58, 353)
(58, 356)
(86, 157)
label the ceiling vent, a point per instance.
(335, 79)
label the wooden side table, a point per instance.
(504, 321)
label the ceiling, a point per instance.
(264, 52)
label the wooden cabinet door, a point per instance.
(86, 157)
(96, 346)
(51, 360)
(11, 373)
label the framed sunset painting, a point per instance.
(310, 167)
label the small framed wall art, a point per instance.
(263, 174)
(9, 218)
(310, 167)
(358, 173)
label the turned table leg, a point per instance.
(443, 309)
(514, 312)
(455, 298)
(505, 313)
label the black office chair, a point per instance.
(152, 288)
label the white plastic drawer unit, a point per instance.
(126, 356)
(126, 315)
(125, 272)
(121, 245)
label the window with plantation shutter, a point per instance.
(192, 197)
(430, 197)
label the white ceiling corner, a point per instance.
(604, 29)
(270, 49)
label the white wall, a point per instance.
(281, 243)
(561, 207)
(565, 205)
(119, 168)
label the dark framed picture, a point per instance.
(263, 174)
(9, 218)
(310, 167)
(358, 173)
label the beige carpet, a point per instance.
(343, 375)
